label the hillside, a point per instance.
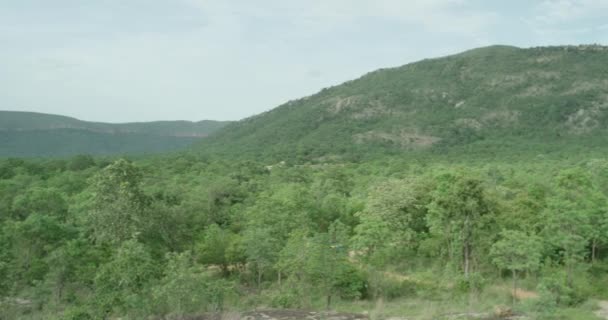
(29, 134)
(494, 100)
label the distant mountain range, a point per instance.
(30, 134)
(495, 100)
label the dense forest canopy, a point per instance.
(496, 207)
(84, 238)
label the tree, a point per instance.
(120, 282)
(46, 201)
(215, 247)
(261, 249)
(459, 210)
(81, 162)
(394, 218)
(320, 259)
(185, 288)
(118, 203)
(517, 252)
(29, 243)
(568, 218)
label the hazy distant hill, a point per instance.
(496, 99)
(29, 134)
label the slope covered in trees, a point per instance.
(29, 134)
(494, 100)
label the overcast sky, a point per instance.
(142, 60)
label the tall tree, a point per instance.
(568, 218)
(517, 252)
(118, 203)
(458, 211)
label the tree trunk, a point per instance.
(593, 250)
(467, 248)
(514, 288)
(259, 276)
(467, 259)
(328, 301)
(569, 274)
(279, 277)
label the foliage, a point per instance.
(496, 102)
(185, 288)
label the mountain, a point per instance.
(30, 134)
(492, 100)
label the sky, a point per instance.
(144, 60)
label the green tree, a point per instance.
(459, 210)
(261, 249)
(120, 282)
(47, 201)
(394, 218)
(517, 252)
(319, 260)
(118, 204)
(185, 288)
(568, 218)
(215, 247)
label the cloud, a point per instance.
(553, 12)
(226, 59)
(317, 16)
(567, 21)
(564, 14)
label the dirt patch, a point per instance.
(535, 90)
(339, 104)
(546, 59)
(507, 80)
(582, 86)
(544, 75)
(522, 294)
(300, 315)
(584, 120)
(500, 118)
(274, 315)
(603, 310)
(468, 123)
(459, 104)
(372, 109)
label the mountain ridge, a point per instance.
(28, 121)
(495, 97)
(33, 134)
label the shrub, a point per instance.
(351, 283)
(186, 289)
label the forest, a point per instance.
(172, 236)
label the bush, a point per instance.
(351, 283)
(474, 283)
(186, 289)
(554, 290)
(77, 313)
(391, 289)
(290, 294)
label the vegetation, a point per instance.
(29, 134)
(492, 102)
(508, 218)
(182, 235)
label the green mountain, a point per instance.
(29, 134)
(495, 100)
